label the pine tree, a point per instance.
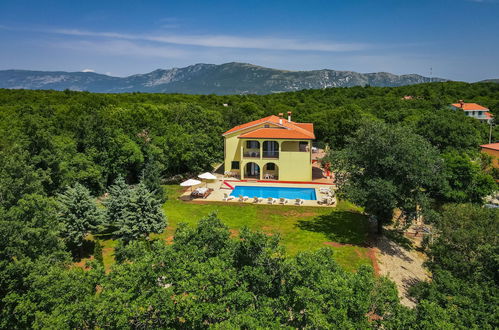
(119, 194)
(98, 252)
(79, 214)
(151, 177)
(142, 215)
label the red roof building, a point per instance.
(474, 110)
(273, 147)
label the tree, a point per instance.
(464, 263)
(466, 182)
(151, 177)
(116, 203)
(142, 215)
(98, 252)
(79, 213)
(17, 176)
(385, 167)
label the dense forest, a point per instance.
(59, 151)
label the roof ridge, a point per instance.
(273, 119)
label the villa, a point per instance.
(474, 110)
(270, 148)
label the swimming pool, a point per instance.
(275, 192)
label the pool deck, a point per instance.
(219, 189)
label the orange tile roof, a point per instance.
(270, 119)
(469, 106)
(493, 146)
(276, 133)
(286, 130)
(488, 115)
(306, 126)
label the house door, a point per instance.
(252, 169)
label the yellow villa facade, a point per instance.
(271, 148)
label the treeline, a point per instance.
(59, 138)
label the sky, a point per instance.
(453, 39)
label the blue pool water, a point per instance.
(276, 192)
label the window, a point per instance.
(235, 165)
(252, 145)
(303, 146)
(266, 126)
(270, 167)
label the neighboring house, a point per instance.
(474, 110)
(270, 148)
(493, 150)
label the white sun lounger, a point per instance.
(271, 200)
(298, 201)
(227, 197)
(257, 199)
(283, 201)
(243, 198)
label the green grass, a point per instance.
(301, 228)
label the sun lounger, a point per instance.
(257, 199)
(298, 201)
(271, 200)
(283, 201)
(326, 191)
(322, 201)
(243, 198)
(227, 197)
(201, 192)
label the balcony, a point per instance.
(271, 154)
(251, 154)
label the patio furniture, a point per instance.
(298, 201)
(190, 183)
(271, 200)
(323, 200)
(243, 198)
(283, 201)
(257, 199)
(327, 191)
(227, 197)
(201, 192)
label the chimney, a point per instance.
(462, 103)
(289, 116)
(280, 117)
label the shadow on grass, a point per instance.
(85, 251)
(340, 226)
(399, 238)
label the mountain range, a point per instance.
(228, 78)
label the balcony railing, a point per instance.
(271, 154)
(251, 154)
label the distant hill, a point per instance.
(229, 78)
(490, 80)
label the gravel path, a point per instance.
(404, 267)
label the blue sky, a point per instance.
(458, 39)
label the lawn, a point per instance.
(301, 228)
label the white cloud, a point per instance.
(121, 48)
(224, 41)
(88, 70)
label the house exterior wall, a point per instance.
(292, 164)
(494, 154)
(477, 114)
